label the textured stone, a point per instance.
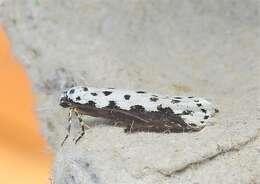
(203, 48)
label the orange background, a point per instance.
(24, 158)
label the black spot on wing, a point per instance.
(85, 89)
(199, 104)
(190, 96)
(93, 94)
(187, 112)
(140, 92)
(192, 124)
(154, 99)
(78, 98)
(166, 110)
(112, 105)
(177, 97)
(204, 110)
(216, 110)
(91, 103)
(196, 100)
(206, 117)
(72, 91)
(106, 93)
(175, 101)
(137, 108)
(127, 97)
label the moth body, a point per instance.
(140, 110)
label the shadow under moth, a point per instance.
(138, 110)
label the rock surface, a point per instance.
(203, 48)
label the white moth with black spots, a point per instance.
(139, 110)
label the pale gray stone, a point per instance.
(203, 48)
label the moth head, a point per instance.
(64, 101)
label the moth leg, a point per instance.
(81, 134)
(115, 123)
(82, 127)
(167, 131)
(68, 127)
(127, 129)
(80, 119)
(134, 127)
(131, 127)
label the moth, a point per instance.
(138, 110)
